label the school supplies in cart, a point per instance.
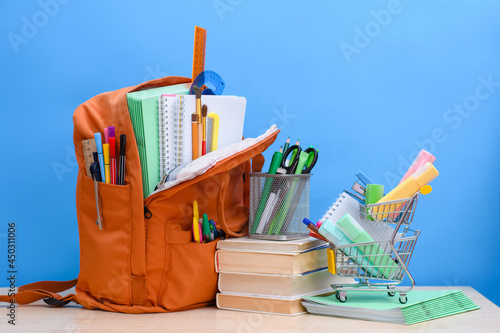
(377, 258)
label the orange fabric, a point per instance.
(139, 264)
(33, 292)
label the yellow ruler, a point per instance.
(200, 40)
(88, 148)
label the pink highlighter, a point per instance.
(422, 158)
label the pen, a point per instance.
(112, 153)
(121, 175)
(98, 145)
(105, 150)
(213, 230)
(204, 111)
(106, 135)
(194, 130)
(197, 235)
(275, 163)
(281, 216)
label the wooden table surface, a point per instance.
(38, 317)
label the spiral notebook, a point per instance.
(143, 110)
(175, 135)
(347, 204)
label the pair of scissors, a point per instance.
(310, 163)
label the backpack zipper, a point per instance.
(147, 213)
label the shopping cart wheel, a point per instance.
(403, 299)
(341, 296)
(391, 293)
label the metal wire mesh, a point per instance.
(385, 260)
(392, 211)
(278, 204)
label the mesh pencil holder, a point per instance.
(278, 204)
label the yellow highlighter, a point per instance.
(196, 224)
(407, 188)
(330, 254)
(107, 170)
(215, 130)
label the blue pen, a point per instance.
(98, 144)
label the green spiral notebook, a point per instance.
(143, 110)
(422, 305)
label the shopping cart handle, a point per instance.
(426, 189)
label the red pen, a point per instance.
(204, 111)
(112, 153)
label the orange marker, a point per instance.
(194, 129)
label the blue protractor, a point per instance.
(211, 78)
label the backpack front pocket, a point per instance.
(105, 253)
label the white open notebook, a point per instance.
(174, 112)
(347, 204)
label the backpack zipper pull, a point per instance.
(147, 213)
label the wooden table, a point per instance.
(38, 317)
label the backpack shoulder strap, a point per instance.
(46, 290)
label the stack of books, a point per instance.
(422, 305)
(270, 276)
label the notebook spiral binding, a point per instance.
(163, 130)
(335, 205)
(180, 131)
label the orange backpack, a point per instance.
(144, 260)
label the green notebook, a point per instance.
(143, 110)
(422, 305)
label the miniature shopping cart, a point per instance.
(381, 265)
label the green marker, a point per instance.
(311, 157)
(294, 152)
(205, 228)
(275, 164)
(279, 219)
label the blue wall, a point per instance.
(368, 84)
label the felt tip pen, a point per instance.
(123, 144)
(106, 135)
(105, 152)
(112, 154)
(98, 144)
(204, 111)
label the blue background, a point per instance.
(367, 100)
